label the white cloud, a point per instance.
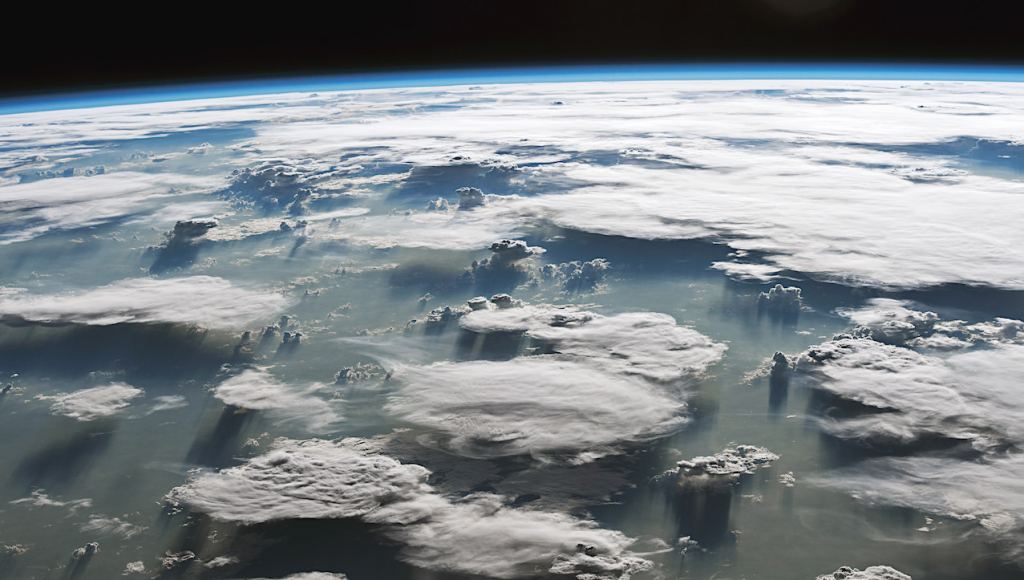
(309, 576)
(597, 381)
(723, 468)
(869, 573)
(167, 403)
(816, 175)
(202, 300)
(892, 321)
(93, 403)
(39, 498)
(989, 491)
(34, 208)
(646, 344)
(969, 393)
(578, 276)
(752, 272)
(111, 526)
(258, 390)
(852, 153)
(530, 404)
(902, 323)
(460, 230)
(781, 299)
(476, 534)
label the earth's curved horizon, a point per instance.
(585, 322)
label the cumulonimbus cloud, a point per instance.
(596, 381)
(918, 378)
(476, 534)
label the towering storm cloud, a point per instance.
(962, 388)
(477, 534)
(596, 381)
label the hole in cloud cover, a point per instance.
(600, 380)
(476, 534)
(202, 300)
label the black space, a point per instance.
(62, 49)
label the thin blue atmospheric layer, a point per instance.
(235, 88)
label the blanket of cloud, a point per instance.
(526, 323)
(814, 176)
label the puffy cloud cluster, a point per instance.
(93, 403)
(593, 381)
(11, 550)
(134, 567)
(470, 197)
(176, 560)
(439, 318)
(891, 322)
(899, 323)
(202, 300)
(723, 468)
(505, 267)
(258, 390)
(182, 244)
(577, 276)
(187, 231)
(903, 397)
(507, 252)
(359, 372)
(780, 299)
(273, 186)
(869, 573)
(476, 534)
(85, 552)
